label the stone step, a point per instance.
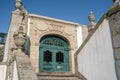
(56, 77)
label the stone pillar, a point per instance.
(114, 21)
(25, 69)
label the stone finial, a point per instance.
(115, 4)
(91, 17)
(92, 24)
(116, 1)
(19, 6)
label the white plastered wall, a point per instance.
(96, 60)
(79, 36)
(3, 69)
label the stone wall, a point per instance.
(24, 67)
(115, 32)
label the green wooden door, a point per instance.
(54, 55)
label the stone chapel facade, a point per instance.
(43, 48)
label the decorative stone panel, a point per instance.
(25, 69)
(41, 26)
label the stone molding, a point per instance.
(52, 19)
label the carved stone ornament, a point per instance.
(92, 24)
(19, 38)
(91, 17)
(41, 26)
(55, 27)
(69, 32)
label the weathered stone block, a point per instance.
(25, 69)
(117, 53)
(114, 21)
(118, 68)
(116, 41)
(59, 78)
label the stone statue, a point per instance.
(18, 4)
(20, 8)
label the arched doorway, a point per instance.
(54, 54)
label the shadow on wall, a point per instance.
(27, 46)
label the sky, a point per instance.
(69, 10)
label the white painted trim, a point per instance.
(3, 69)
(79, 36)
(6, 47)
(28, 28)
(15, 71)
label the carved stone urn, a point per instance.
(19, 41)
(19, 38)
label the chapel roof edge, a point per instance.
(54, 19)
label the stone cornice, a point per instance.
(53, 19)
